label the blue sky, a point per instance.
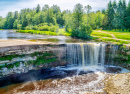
(17, 5)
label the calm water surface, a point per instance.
(11, 34)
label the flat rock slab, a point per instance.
(119, 84)
(15, 42)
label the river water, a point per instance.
(11, 34)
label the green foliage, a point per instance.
(77, 23)
(117, 16)
(9, 57)
(17, 64)
(37, 32)
(34, 28)
(38, 8)
(127, 17)
(44, 28)
(45, 32)
(54, 28)
(43, 58)
(28, 27)
(80, 28)
(85, 32)
(109, 16)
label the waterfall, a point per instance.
(112, 54)
(86, 54)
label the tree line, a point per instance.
(117, 15)
(79, 22)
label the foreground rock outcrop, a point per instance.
(120, 84)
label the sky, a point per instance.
(16, 5)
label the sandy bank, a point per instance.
(15, 42)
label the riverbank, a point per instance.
(60, 32)
(15, 42)
(120, 84)
(98, 35)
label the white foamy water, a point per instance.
(69, 85)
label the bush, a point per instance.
(83, 32)
(42, 24)
(28, 28)
(44, 28)
(54, 28)
(34, 28)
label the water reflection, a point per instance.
(3, 34)
(11, 34)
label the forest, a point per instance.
(80, 22)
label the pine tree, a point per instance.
(109, 16)
(15, 15)
(114, 6)
(127, 17)
(77, 19)
(45, 7)
(38, 8)
(124, 12)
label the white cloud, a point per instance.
(64, 4)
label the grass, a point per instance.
(119, 34)
(63, 32)
(1, 29)
(60, 32)
(37, 32)
(121, 37)
(100, 34)
(115, 40)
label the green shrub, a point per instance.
(34, 28)
(28, 28)
(44, 28)
(54, 28)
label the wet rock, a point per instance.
(113, 69)
(85, 72)
(58, 74)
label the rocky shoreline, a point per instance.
(119, 84)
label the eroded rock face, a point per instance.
(115, 54)
(46, 73)
(119, 84)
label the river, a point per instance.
(82, 67)
(11, 34)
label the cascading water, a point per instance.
(112, 54)
(86, 54)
